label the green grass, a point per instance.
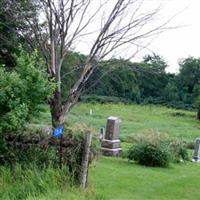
(35, 184)
(138, 119)
(116, 178)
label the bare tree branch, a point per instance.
(66, 22)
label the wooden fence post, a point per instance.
(85, 159)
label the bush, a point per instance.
(149, 154)
(156, 149)
(43, 150)
(178, 150)
(21, 91)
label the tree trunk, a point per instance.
(198, 114)
(56, 109)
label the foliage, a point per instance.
(14, 111)
(178, 150)
(190, 72)
(150, 154)
(39, 89)
(12, 24)
(114, 78)
(70, 71)
(22, 90)
(156, 149)
(103, 99)
(42, 150)
(197, 100)
(145, 82)
(30, 181)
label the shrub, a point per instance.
(150, 154)
(43, 150)
(178, 150)
(21, 91)
(155, 149)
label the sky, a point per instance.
(173, 44)
(180, 42)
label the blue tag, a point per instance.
(57, 132)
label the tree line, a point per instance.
(145, 82)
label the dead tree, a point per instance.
(60, 24)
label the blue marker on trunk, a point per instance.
(58, 132)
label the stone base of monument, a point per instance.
(195, 159)
(111, 147)
(111, 152)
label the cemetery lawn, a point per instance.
(118, 179)
(138, 119)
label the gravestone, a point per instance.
(110, 145)
(102, 134)
(195, 157)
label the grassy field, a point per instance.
(139, 119)
(116, 178)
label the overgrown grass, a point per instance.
(35, 184)
(115, 178)
(139, 119)
(136, 119)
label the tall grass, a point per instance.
(138, 119)
(20, 183)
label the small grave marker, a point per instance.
(102, 134)
(195, 157)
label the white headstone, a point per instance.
(195, 157)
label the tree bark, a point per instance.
(198, 114)
(56, 109)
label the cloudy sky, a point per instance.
(173, 44)
(181, 42)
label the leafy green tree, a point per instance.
(21, 92)
(115, 78)
(197, 99)
(171, 92)
(190, 72)
(189, 80)
(12, 25)
(155, 62)
(152, 77)
(198, 107)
